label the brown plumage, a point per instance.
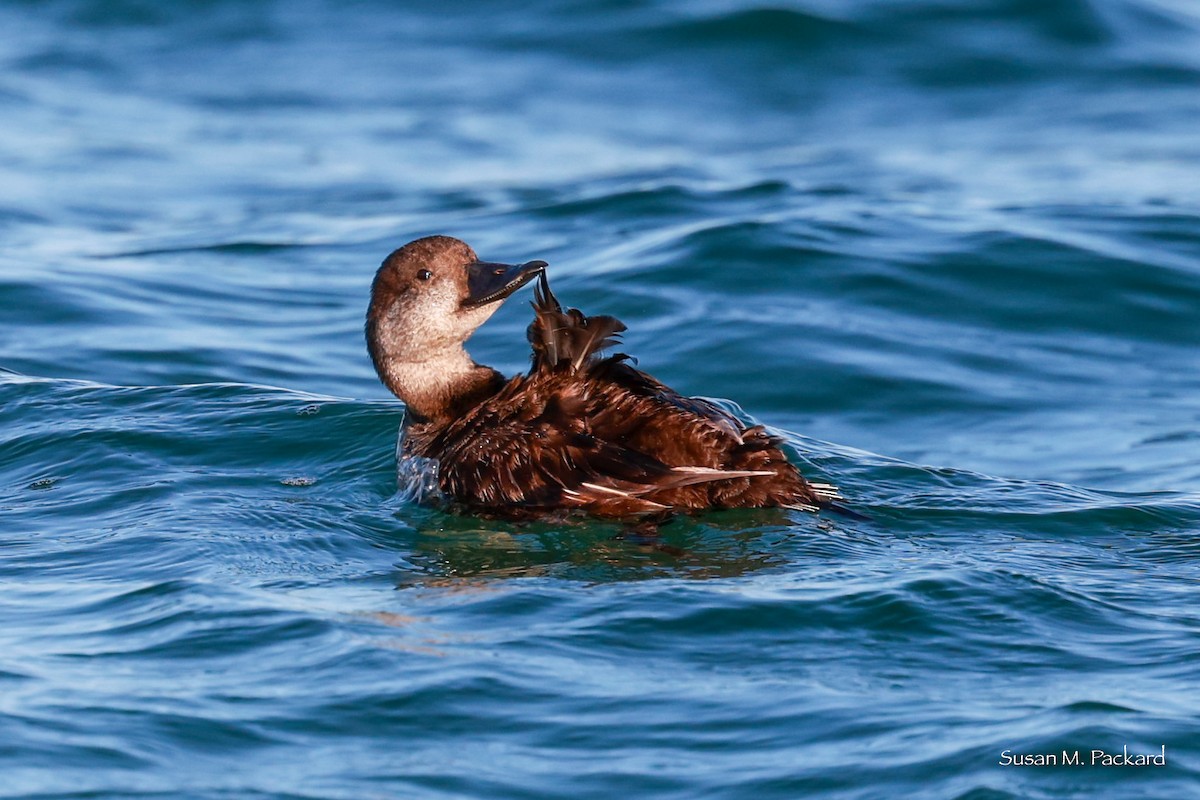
(578, 432)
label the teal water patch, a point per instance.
(202, 573)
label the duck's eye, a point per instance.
(424, 275)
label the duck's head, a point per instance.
(428, 297)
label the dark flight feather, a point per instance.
(567, 339)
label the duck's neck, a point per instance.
(440, 388)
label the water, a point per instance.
(950, 249)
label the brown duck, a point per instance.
(578, 432)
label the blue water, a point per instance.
(949, 248)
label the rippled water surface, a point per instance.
(951, 249)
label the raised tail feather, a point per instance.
(567, 340)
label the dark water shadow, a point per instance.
(720, 544)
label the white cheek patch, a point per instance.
(423, 321)
(472, 318)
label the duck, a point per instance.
(580, 431)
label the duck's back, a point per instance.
(579, 432)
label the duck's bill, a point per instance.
(491, 283)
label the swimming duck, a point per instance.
(579, 431)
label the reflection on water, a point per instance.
(575, 547)
(717, 545)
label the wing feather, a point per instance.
(567, 339)
(505, 457)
